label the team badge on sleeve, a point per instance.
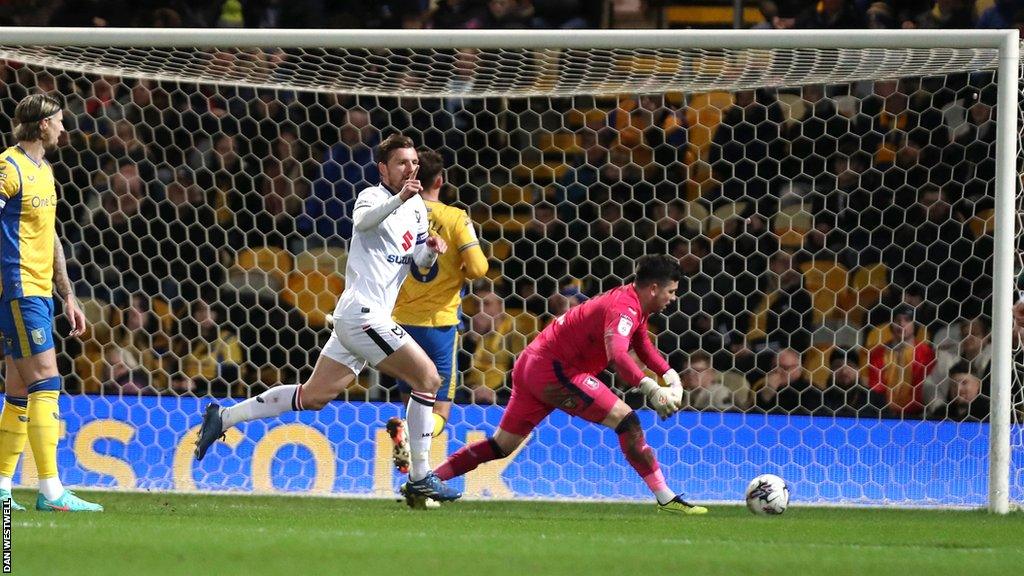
(625, 325)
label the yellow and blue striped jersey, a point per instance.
(433, 299)
(28, 214)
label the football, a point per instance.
(767, 495)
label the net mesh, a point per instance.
(836, 238)
(506, 72)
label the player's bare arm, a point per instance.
(62, 286)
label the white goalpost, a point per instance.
(541, 101)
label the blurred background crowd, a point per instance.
(836, 240)
(517, 14)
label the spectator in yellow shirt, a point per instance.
(211, 356)
(497, 336)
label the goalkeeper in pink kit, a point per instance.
(557, 371)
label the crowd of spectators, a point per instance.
(468, 14)
(494, 14)
(836, 240)
(891, 14)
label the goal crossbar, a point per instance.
(507, 39)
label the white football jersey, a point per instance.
(379, 259)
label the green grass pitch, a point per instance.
(155, 534)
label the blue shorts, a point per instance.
(440, 344)
(26, 326)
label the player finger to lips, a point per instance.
(411, 179)
(410, 188)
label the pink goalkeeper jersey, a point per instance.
(602, 330)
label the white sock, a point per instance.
(419, 415)
(277, 400)
(51, 488)
(664, 495)
(6, 483)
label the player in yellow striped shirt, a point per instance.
(429, 301)
(31, 264)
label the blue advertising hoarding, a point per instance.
(146, 443)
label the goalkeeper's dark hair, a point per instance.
(30, 112)
(656, 269)
(431, 166)
(394, 141)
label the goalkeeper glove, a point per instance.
(671, 379)
(674, 384)
(661, 398)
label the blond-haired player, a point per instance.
(31, 265)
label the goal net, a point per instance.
(833, 211)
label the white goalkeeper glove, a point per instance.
(661, 398)
(672, 380)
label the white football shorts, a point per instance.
(358, 340)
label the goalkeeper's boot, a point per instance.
(400, 453)
(67, 502)
(6, 495)
(211, 430)
(679, 506)
(431, 486)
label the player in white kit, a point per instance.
(390, 231)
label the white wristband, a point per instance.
(425, 257)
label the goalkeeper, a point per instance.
(557, 372)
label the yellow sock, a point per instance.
(13, 433)
(44, 430)
(439, 423)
